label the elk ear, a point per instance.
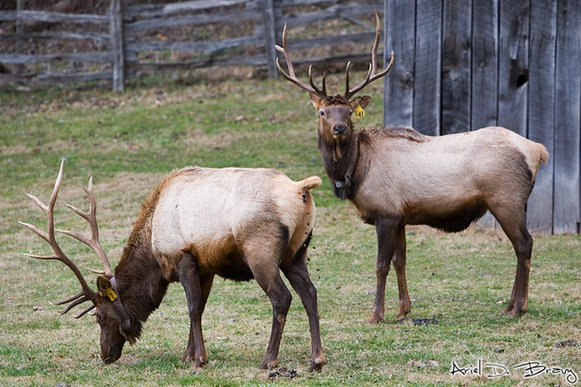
(105, 288)
(315, 100)
(362, 101)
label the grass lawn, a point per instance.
(456, 333)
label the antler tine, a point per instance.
(75, 300)
(371, 73)
(321, 93)
(91, 218)
(291, 77)
(86, 294)
(375, 43)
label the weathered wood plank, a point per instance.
(157, 10)
(270, 37)
(199, 47)
(19, 68)
(259, 60)
(58, 35)
(77, 77)
(222, 17)
(294, 3)
(53, 17)
(56, 78)
(541, 108)
(98, 57)
(456, 65)
(566, 207)
(513, 65)
(428, 54)
(484, 89)
(399, 83)
(117, 44)
(336, 11)
(321, 41)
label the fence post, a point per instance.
(19, 31)
(117, 46)
(270, 37)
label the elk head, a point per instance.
(116, 326)
(335, 125)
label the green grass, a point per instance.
(459, 283)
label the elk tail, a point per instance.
(310, 183)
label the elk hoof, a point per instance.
(374, 319)
(402, 313)
(317, 364)
(513, 311)
(268, 365)
(198, 362)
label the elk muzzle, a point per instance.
(339, 130)
(111, 353)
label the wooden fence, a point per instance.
(181, 36)
(465, 64)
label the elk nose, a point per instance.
(339, 129)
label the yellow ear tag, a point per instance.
(111, 294)
(359, 112)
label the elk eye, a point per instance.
(322, 113)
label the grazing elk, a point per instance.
(397, 176)
(236, 223)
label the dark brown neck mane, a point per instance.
(138, 275)
(341, 167)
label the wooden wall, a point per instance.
(465, 64)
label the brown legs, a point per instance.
(298, 276)
(269, 279)
(267, 275)
(197, 289)
(390, 245)
(515, 230)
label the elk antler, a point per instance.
(311, 88)
(371, 75)
(86, 293)
(91, 218)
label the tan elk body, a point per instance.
(198, 223)
(397, 176)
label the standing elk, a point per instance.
(199, 222)
(397, 176)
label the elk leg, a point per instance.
(386, 241)
(197, 289)
(522, 243)
(263, 254)
(280, 298)
(399, 260)
(519, 299)
(298, 276)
